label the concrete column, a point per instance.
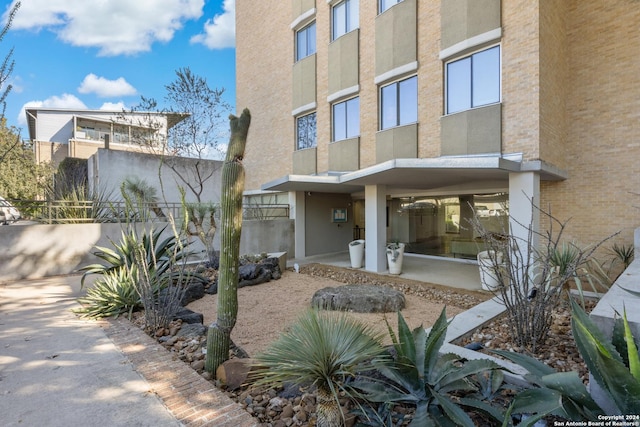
(375, 197)
(298, 214)
(524, 190)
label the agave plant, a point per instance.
(567, 262)
(420, 376)
(615, 364)
(323, 349)
(551, 393)
(622, 254)
(160, 253)
(111, 295)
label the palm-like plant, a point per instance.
(323, 349)
(420, 376)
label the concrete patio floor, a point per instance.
(453, 272)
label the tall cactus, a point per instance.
(219, 335)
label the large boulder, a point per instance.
(359, 298)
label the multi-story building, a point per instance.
(398, 119)
(60, 133)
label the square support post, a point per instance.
(376, 220)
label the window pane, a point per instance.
(301, 44)
(389, 109)
(408, 101)
(354, 15)
(386, 4)
(306, 41)
(339, 122)
(311, 39)
(339, 20)
(486, 77)
(353, 117)
(459, 85)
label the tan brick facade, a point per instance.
(603, 122)
(570, 97)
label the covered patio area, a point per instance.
(456, 273)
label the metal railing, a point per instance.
(265, 212)
(87, 211)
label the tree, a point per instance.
(200, 134)
(198, 110)
(219, 335)
(6, 68)
(200, 128)
(20, 176)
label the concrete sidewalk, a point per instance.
(60, 370)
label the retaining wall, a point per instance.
(39, 250)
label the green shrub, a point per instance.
(112, 294)
(324, 349)
(420, 376)
(614, 365)
(160, 254)
(138, 267)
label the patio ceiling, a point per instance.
(417, 174)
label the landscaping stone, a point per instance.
(188, 316)
(192, 330)
(359, 298)
(193, 292)
(233, 372)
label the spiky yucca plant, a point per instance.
(113, 294)
(322, 349)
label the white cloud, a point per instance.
(113, 106)
(63, 101)
(115, 27)
(105, 88)
(220, 31)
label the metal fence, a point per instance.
(87, 211)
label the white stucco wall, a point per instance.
(109, 168)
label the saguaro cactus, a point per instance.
(219, 335)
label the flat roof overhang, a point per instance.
(418, 174)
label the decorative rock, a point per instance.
(191, 330)
(287, 411)
(213, 289)
(189, 316)
(249, 271)
(193, 292)
(198, 365)
(265, 276)
(359, 298)
(233, 372)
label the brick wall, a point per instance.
(603, 122)
(264, 62)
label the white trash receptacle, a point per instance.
(356, 253)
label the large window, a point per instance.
(473, 81)
(399, 103)
(306, 41)
(441, 224)
(346, 119)
(306, 131)
(344, 18)
(386, 4)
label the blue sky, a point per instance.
(106, 54)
